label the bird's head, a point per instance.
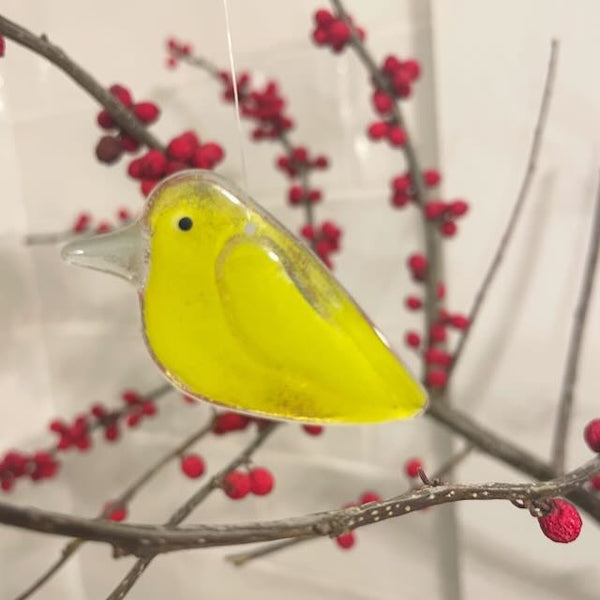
(187, 219)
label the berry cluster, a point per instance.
(238, 484)
(176, 51)
(390, 131)
(400, 76)
(299, 161)
(110, 147)
(403, 190)
(183, 152)
(36, 466)
(75, 434)
(83, 222)
(325, 239)
(333, 32)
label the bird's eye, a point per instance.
(185, 224)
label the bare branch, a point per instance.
(42, 46)
(185, 509)
(519, 204)
(148, 540)
(242, 558)
(573, 352)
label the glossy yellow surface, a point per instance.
(238, 312)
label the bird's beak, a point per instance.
(121, 252)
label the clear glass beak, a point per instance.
(121, 253)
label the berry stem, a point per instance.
(565, 408)
(41, 45)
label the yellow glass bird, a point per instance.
(238, 312)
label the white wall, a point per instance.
(71, 337)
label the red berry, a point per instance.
(396, 136)
(192, 465)
(436, 378)
(378, 130)
(595, 483)
(413, 303)
(7, 483)
(133, 420)
(122, 94)
(323, 18)
(592, 435)
(321, 162)
(413, 339)
(261, 481)
(437, 333)
(441, 291)
(402, 183)
(370, 496)
(230, 421)
(213, 153)
(459, 321)
(382, 102)
(82, 223)
(236, 485)
(434, 356)
(172, 62)
(128, 143)
(563, 523)
(153, 164)
(391, 64)
(434, 209)
(308, 232)
(103, 227)
(431, 177)
(108, 149)
(2, 50)
(399, 199)
(412, 466)
(146, 112)
(346, 540)
(458, 208)
(182, 147)
(417, 263)
(105, 120)
(339, 32)
(123, 214)
(131, 397)
(313, 429)
(413, 68)
(147, 185)
(149, 408)
(314, 195)
(448, 228)
(115, 512)
(111, 433)
(296, 194)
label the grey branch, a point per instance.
(147, 540)
(519, 203)
(42, 46)
(570, 376)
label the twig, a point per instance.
(573, 352)
(432, 243)
(42, 46)
(241, 558)
(519, 203)
(147, 540)
(126, 496)
(185, 509)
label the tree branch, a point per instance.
(242, 558)
(519, 204)
(185, 509)
(126, 496)
(573, 352)
(147, 541)
(42, 46)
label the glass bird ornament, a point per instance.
(238, 312)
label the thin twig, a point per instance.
(241, 558)
(148, 540)
(185, 509)
(123, 499)
(42, 46)
(519, 203)
(573, 352)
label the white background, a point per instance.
(70, 337)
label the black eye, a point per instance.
(185, 223)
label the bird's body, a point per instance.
(237, 311)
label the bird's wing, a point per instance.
(291, 316)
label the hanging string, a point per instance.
(235, 96)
